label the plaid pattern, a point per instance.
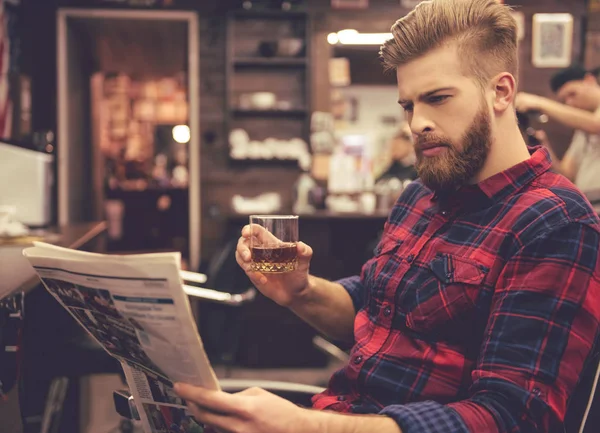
(479, 309)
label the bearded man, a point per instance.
(481, 306)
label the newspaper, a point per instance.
(136, 309)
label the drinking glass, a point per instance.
(273, 243)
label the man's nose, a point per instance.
(420, 123)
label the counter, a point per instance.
(16, 273)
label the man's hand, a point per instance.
(282, 288)
(542, 138)
(258, 411)
(251, 411)
(528, 102)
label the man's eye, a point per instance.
(408, 107)
(438, 99)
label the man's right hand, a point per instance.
(283, 288)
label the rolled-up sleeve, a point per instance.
(542, 327)
(356, 289)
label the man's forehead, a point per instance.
(439, 68)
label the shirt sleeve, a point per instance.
(356, 289)
(576, 150)
(543, 322)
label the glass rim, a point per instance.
(275, 217)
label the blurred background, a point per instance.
(133, 126)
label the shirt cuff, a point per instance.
(356, 290)
(426, 417)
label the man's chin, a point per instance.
(436, 183)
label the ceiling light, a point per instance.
(181, 134)
(353, 37)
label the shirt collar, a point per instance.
(503, 184)
(510, 181)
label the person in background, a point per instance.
(402, 154)
(481, 308)
(579, 91)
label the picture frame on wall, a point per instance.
(552, 45)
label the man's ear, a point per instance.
(504, 91)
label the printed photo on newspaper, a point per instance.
(136, 309)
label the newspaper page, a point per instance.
(136, 309)
(165, 411)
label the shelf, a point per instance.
(241, 62)
(269, 13)
(269, 113)
(289, 163)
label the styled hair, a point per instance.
(484, 31)
(572, 73)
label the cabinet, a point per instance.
(268, 85)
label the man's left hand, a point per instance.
(251, 411)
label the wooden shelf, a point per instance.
(264, 162)
(285, 62)
(269, 113)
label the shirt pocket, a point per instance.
(448, 293)
(380, 271)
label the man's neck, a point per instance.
(508, 149)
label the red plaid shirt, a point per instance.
(478, 311)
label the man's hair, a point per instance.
(562, 77)
(484, 31)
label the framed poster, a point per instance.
(552, 40)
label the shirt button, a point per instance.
(410, 258)
(537, 391)
(444, 212)
(358, 359)
(341, 398)
(387, 311)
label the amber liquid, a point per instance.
(275, 259)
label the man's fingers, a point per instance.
(220, 423)
(244, 264)
(304, 250)
(260, 233)
(257, 278)
(214, 401)
(243, 247)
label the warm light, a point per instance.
(332, 38)
(353, 37)
(181, 134)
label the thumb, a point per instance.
(304, 252)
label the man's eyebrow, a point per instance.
(425, 95)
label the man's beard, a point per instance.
(456, 165)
